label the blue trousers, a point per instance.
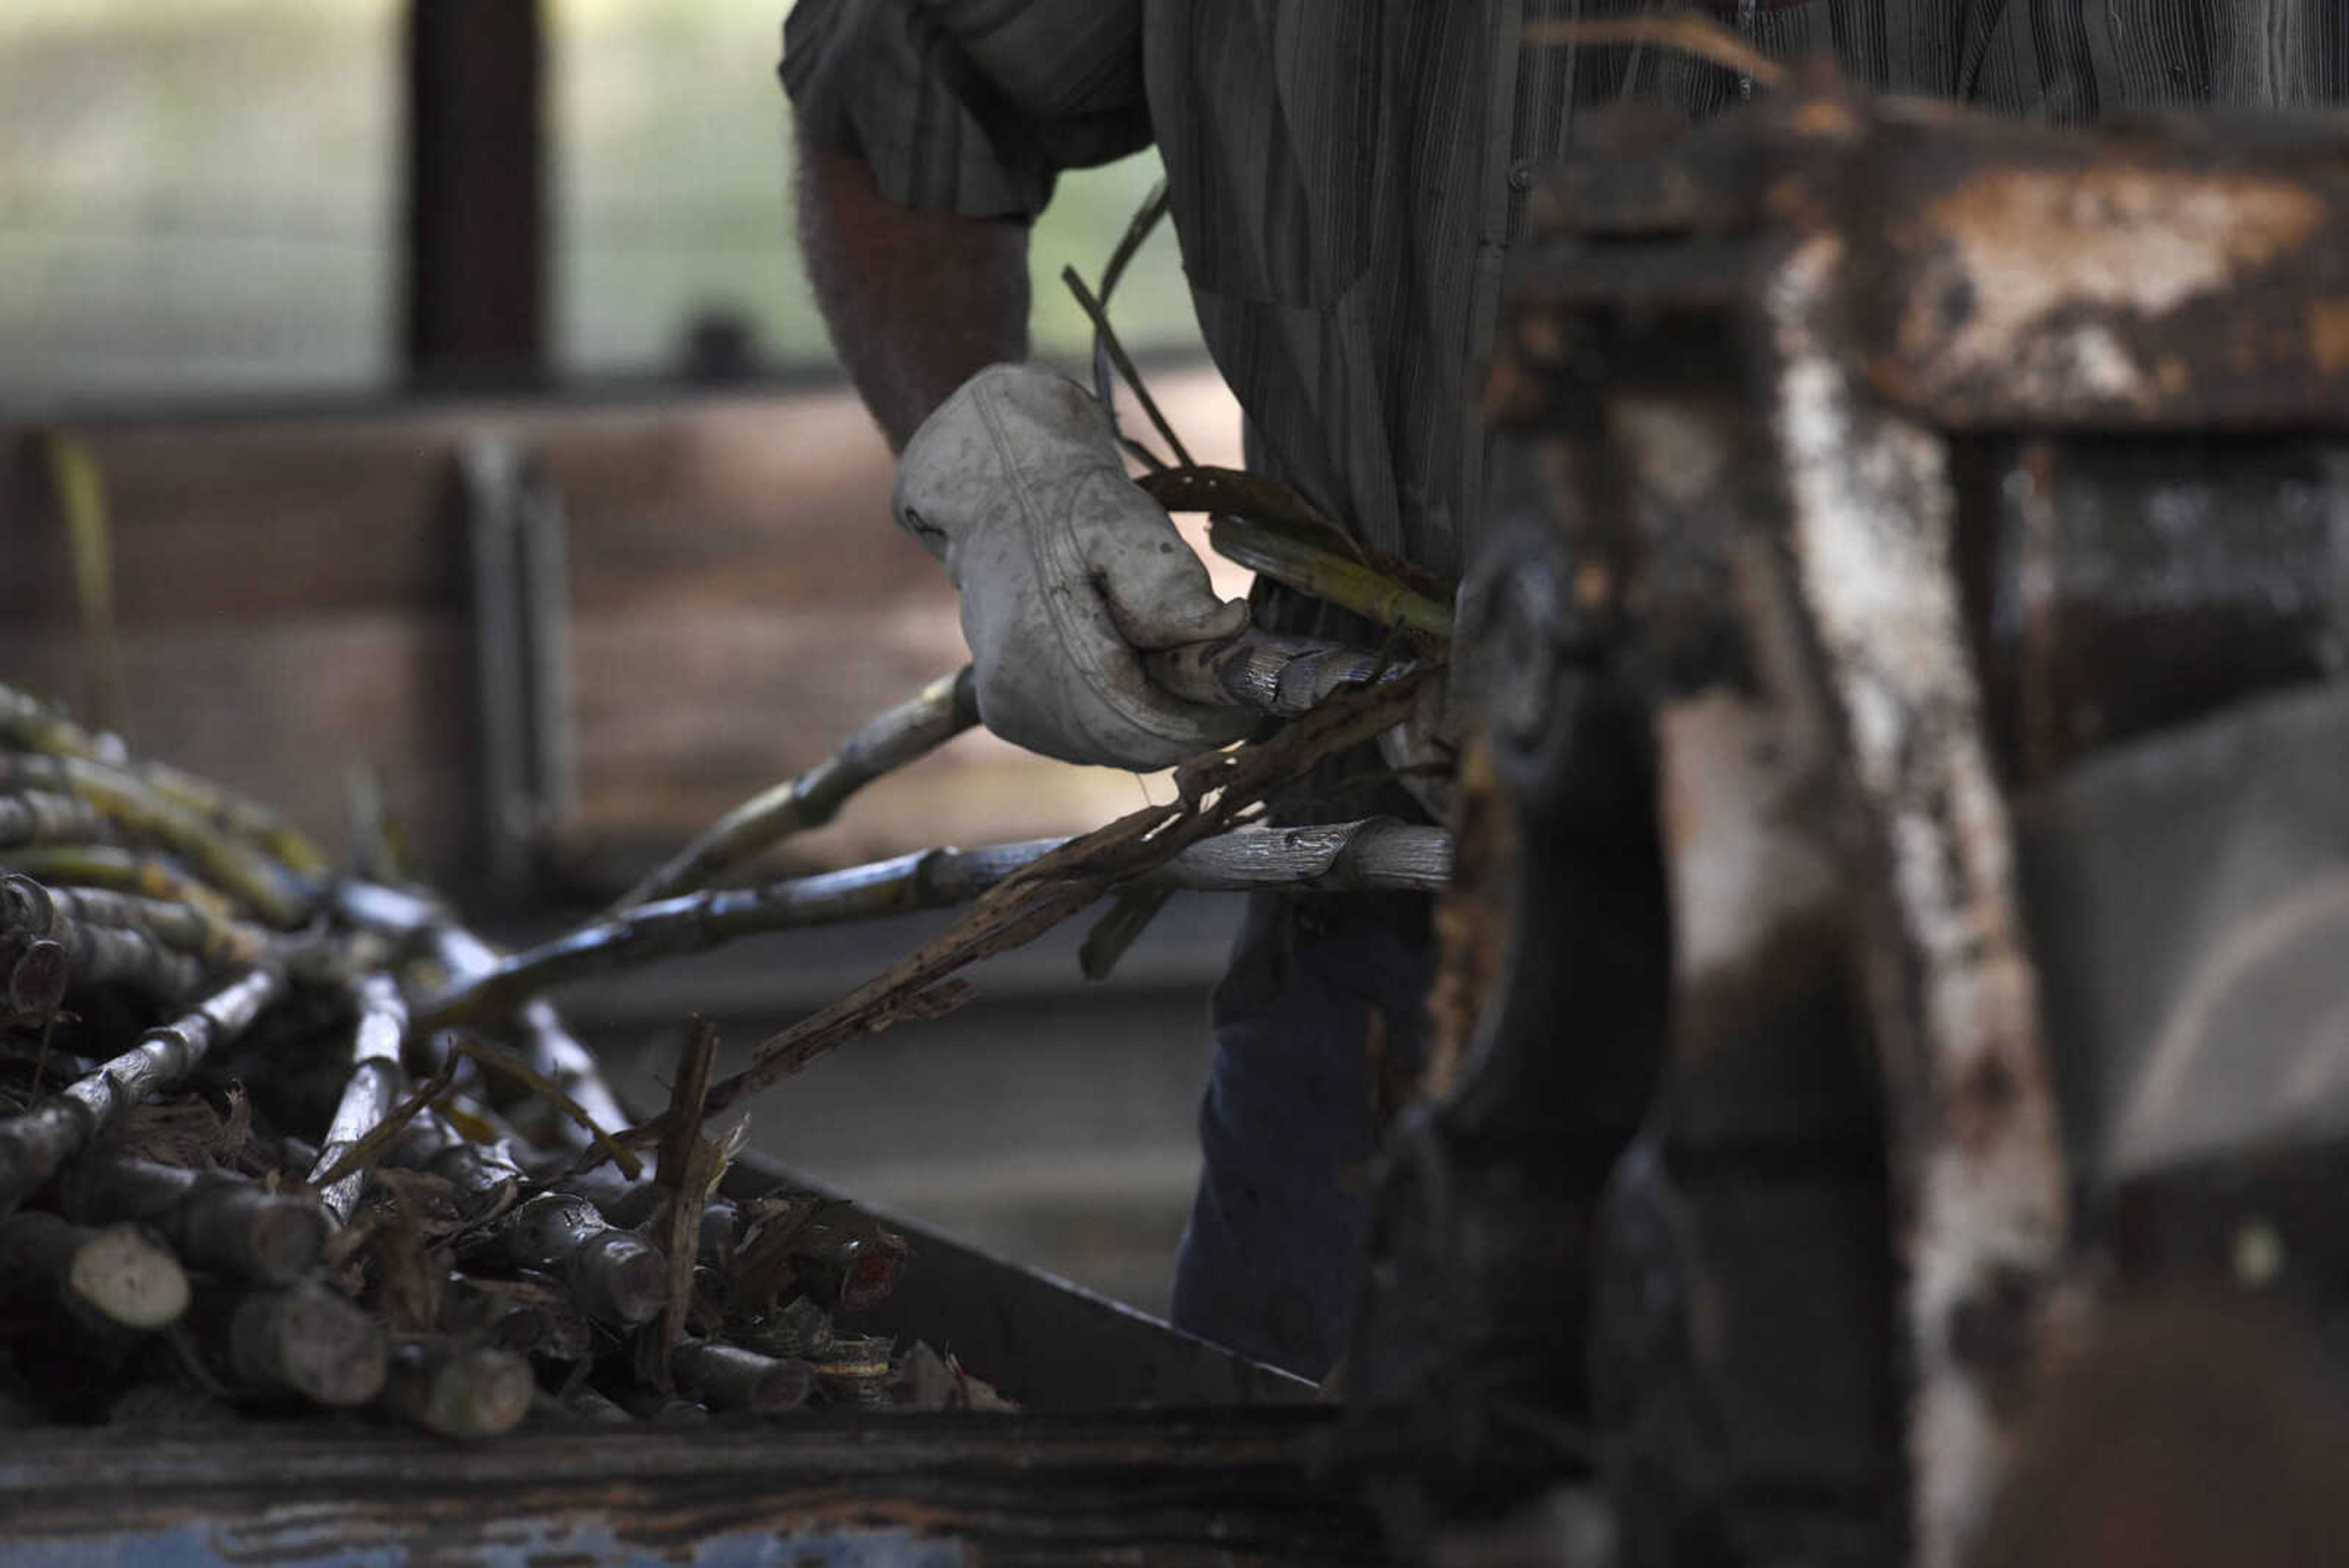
(1319, 1023)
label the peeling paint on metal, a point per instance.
(1870, 536)
(2027, 248)
(1744, 866)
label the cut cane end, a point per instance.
(130, 1278)
(37, 985)
(480, 1392)
(523, 1329)
(630, 1277)
(286, 1241)
(787, 1388)
(793, 1388)
(329, 1351)
(731, 1377)
(872, 1278)
(587, 1404)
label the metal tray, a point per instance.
(1138, 1445)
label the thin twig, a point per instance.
(697, 1054)
(1116, 351)
(914, 728)
(688, 1169)
(79, 489)
(1145, 219)
(1064, 881)
(378, 1140)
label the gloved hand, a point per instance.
(1425, 755)
(1066, 570)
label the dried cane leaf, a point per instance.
(522, 1071)
(182, 1132)
(1108, 352)
(364, 1153)
(688, 1168)
(697, 1055)
(470, 1124)
(763, 1270)
(236, 1129)
(408, 1279)
(1116, 932)
(1257, 498)
(80, 490)
(429, 1202)
(345, 1246)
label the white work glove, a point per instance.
(1425, 755)
(1066, 570)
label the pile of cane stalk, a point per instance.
(241, 1174)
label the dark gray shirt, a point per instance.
(1345, 176)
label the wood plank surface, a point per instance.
(290, 594)
(1230, 1488)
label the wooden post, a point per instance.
(476, 230)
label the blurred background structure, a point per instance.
(416, 417)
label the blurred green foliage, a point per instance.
(672, 137)
(203, 197)
(196, 197)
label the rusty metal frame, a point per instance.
(1871, 548)
(844, 1490)
(1738, 371)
